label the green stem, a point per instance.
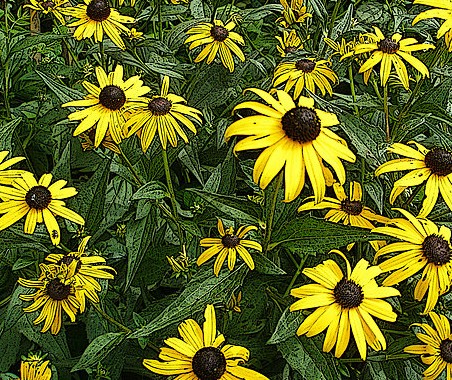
(159, 10)
(138, 180)
(333, 17)
(271, 214)
(413, 194)
(102, 55)
(5, 300)
(352, 89)
(110, 319)
(296, 274)
(386, 110)
(6, 70)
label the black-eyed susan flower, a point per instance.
(132, 3)
(443, 10)
(294, 138)
(40, 201)
(432, 166)
(437, 350)
(52, 7)
(34, 367)
(293, 13)
(162, 114)
(345, 303)
(288, 43)
(391, 52)
(424, 246)
(89, 137)
(228, 246)
(7, 177)
(201, 355)
(106, 104)
(55, 293)
(305, 73)
(219, 39)
(96, 18)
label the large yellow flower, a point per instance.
(437, 350)
(344, 302)
(201, 355)
(424, 247)
(7, 177)
(391, 52)
(220, 39)
(293, 13)
(106, 104)
(53, 7)
(442, 9)
(97, 18)
(35, 370)
(228, 246)
(40, 201)
(162, 114)
(288, 43)
(431, 166)
(296, 138)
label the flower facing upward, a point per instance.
(431, 166)
(228, 246)
(40, 201)
(53, 7)
(305, 73)
(162, 114)
(106, 104)
(343, 303)
(220, 39)
(293, 13)
(97, 18)
(295, 138)
(289, 43)
(201, 355)
(424, 247)
(443, 10)
(437, 350)
(7, 177)
(35, 369)
(391, 52)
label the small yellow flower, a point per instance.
(35, 370)
(89, 137)
(134, 35)
(293, 13)
(53, 7)
(234, 302)
(289, 43)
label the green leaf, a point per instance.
(10, 343)
(30, 41)
(6, 134)
(266, 266)
(287, 326)
(64, 94)
(151, 190)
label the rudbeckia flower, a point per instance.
(296, 138)
(433, 166)
(391, 52)
(35, 370)
(39, 201)
(201, 355)
(53, 7)
(288, 43)
(293, 13)
(344, 303)
(7, 177)
(228, 246)
(437, 350)
(106, 104)
(220, 39)
(424, 246)
(162, 114)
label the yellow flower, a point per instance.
(176, 2)
(425, 247)
(89, 137)
(442, 9)
(343, 303)
(134, 35)
(97, 18)
(391, 52)
(7, 177)
(55, 293)
(132, 2)
(289, 43)
(35, 370)
(106, 104)
(53, 7)
(296, 138)
(437, 350)
(431, 166)
(40, 201)
(293, 13)
(220, 39)
(198, 356)
(228, 246)
(234, 302)
(162, 114)
(307, 73)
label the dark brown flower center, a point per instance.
(230, 241)
(348, 294)
(112, 97)
(68, 259)
(439, 161)
(290, 49)
(301, 124)
(57, 290)
(388, 46)
(219, 33)
(98, 10)
(159, 106)
(47, 4)
(209, 363)
(305, 65)
(352, 207)
(38, 197)
(436, 250)
(445, 350)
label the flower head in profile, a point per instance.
(305, 73)
(34, 367)
(424, 246)
(201, 354)
(288, 43)
(40, 201)
(53, 7)
(7, 177)
(293, 13)
(391, 52)
(228, 246)
(105, 105)
(97, 18)
(295, 139)
(437, 348)
(345, 303)
(219, 39)
(163, 115)
(432, 166)
(89, 137)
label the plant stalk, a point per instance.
(271, 214)
(386, 110)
